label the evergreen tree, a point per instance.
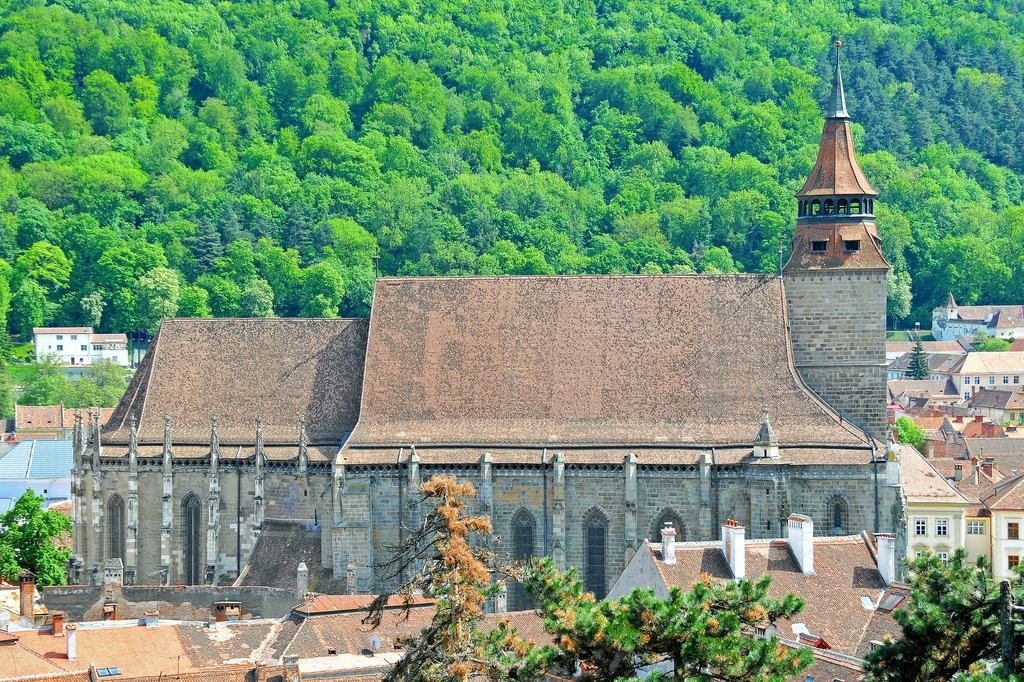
(206, 245)
(298, 230)
(950, 623)
(229, 225)
(918, 368)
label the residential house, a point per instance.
(974, 479)
(894, 349)
(1005, 506)
(975, 371)
(924, 394)
(79, 346)
(42, 465)
(1007, 454)
(51, 422)
(936, 510)
(952, 321)
(940, 366)
(999, 405)
(845, 581)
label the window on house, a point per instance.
(60, 337)
(761, 632)
(942, 527)
(991, 380)
(1016, 378)
(1006, 380)
(975, 527)
(977, 380)
(1012, 560)
(85, 347)
(967, 396)
(108, 672)
(1013, 531)
(819, 246)
(920, 526)
(851, 244)
(74, 337)
(60, 346)
(96, 346)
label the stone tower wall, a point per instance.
(837, 328)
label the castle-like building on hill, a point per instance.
(587, 411)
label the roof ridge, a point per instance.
(694, 275)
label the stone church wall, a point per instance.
(837, 327)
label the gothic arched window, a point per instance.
(595, 552)
(192, 536)
(837, 514)
(115, 528)
(667, 515)
(816, 207)
(524, 533)
(855, 206)
(842, 208)
(829, 206)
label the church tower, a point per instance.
(835, 280)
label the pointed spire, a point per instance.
(837, 100)
(133, 434)
(167, 433)
(766, 435)
(950, 301)
(214, 444)
(260, 455)
(303, 449)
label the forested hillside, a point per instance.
(165, 157)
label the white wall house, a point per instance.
(975, 371)
(79, 346)
(953, 321)
(936, 510)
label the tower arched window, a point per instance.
(842, 207)
(666, 516)
(595, 553)
(855, 206)
(115, 528)
(829, 206)
(838, 515)
(816, 207)
(524, 534)
(192, 539)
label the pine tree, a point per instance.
(918, 368)
(229, 225)
(206, 245)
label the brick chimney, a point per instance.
(71, 635)
(58, 623)
(886, 556)
(734, 548)
(227, 610)
(801, 541)
(958, 472)
(26, 593)
(987, 466)
(668, 544)
(291, 668)
(501, 598)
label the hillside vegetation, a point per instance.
(162, 157)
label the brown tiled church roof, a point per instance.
(585, 360)
(836, 171)
(279, 370)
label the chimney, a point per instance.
(987, 466)
(71, 631)
(58, 623)
(734, 548)
(291, 668)
(958, 419)
(350, 578)
(978, 418)
(501, 598)
(27, 593)
(227, 610)
(302, 579)
(110, 611)
(151, 618)
(958, 472)
(801, 541)
(886, 556)
(668, 543)
(974, 470)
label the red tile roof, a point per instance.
(344, 603)
(584, 360)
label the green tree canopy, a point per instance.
(35, 539)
